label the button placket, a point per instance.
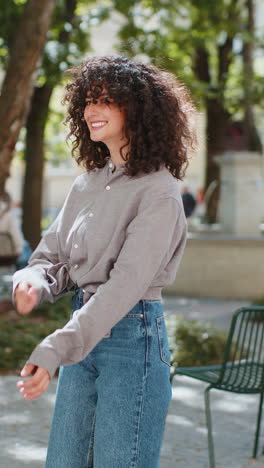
(76, 245)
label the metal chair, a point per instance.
(242, 369)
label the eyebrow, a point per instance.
(101, 96)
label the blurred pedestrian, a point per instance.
(189, 202)
(200, 205)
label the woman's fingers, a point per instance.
(35, 390)
(28, 369)
(38, 384)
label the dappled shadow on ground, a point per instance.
(24, 427)
(234, 422)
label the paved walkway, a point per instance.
(24, 426)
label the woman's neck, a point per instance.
(116, 157)
(117, 160)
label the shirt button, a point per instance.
(76, 267)
(107, 187)
(76, 246)
(90, 215)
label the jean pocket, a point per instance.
(163, 341)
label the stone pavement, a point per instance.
(24, 426)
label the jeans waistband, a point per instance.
(77, 301)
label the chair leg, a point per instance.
(255, 449)
(209, 427)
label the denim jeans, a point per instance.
(111, 407)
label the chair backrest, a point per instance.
(243, 366)
(8, 254)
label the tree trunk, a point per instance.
(19, 79)
(250, 131)
(34, 155)
(216, 117)
(217, 121)
(34, 149)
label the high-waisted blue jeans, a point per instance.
(110, 408)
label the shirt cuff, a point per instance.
(46, 358)
(29, 277)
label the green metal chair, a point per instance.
(242, 369)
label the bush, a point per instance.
(192, 343)
(258, 302)
(197, 344)
(20, 334)
(60, 310)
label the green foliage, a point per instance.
(258, 302)
(59, 311)
(68, 37)
(10, 12)
(56, 147)
(20, 335)
(170, 34)
(197, 344)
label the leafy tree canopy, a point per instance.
(67, 39)
(172, 33)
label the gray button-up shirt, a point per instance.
(118, 238)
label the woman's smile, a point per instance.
(97, 124)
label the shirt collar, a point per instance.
(114, 168)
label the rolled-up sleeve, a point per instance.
(153, 238)
(45, 272)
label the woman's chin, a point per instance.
(95, 138)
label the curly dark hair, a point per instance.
(157, 108)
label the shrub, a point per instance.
(197, 344)
(20, 334)
(258, 302)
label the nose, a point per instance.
(91, 109)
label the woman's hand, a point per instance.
(36, 385)
(26, 298)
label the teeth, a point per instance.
(98, 124)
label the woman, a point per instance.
(118, 240)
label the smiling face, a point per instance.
(105, 120)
